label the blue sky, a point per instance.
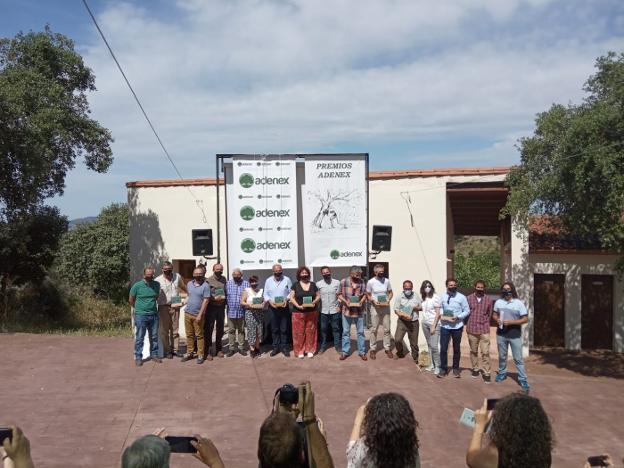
(415, 83)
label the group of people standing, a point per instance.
(267, 315)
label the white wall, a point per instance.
(573, 266)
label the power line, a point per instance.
(198, 202)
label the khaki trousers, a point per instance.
(483, 342)
(169, 320)
(236, 325)
(380, 316)
(194, 331)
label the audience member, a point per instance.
(384, 434)
(17, 450)
(520, 435)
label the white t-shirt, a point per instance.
(429, 306)
(168, 289)
(376, 287)
(251, 294)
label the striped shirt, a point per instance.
(233, 293)
(347, 289)
(480, 313)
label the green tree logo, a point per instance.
(334, 254)
(248, 245)
(247, 213)
(246, 180)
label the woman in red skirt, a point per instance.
(304, 297)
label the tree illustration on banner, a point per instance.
(334, 209)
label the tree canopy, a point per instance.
(96, 254)
(44, 119)
(572, 167)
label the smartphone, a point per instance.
(600, 460)
(491, 402)
(6, 433)
(181, 444)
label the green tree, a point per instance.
(44, 119)
(473, 266)
(572, 168)
(96, 254)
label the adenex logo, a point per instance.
(246, 180)
(247, 213)
(249, 245)
(336, 254)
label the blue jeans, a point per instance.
(143, 323)
(335, 320)
(445, 336)
(346, 334)
(516, 351)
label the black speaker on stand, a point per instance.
(202, 242)
(382, 238)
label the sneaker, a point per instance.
(242, 352)
(436, 371)
(200, 360)
(474, 374)
(230, 353)
(187, 357)
(301, 356)
(138, 362)
(274, 353)
(372, 355)
(525, 386)
(486, 378)
(500, 377)
(286, 353)
(310, 355)
(441, 374)
(456, 373)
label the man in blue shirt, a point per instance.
(455, 309)
(194, 315)
(278, 286)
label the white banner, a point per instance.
(334, 211)
(262, 213)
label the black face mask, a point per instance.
(277, 275)
(168, 272)
(506, 293)
(149, 278)
(380, 275)
(254, 285)
(452, 290)
(218, 273)
(328, 276)
(305, 278)
(479, 292)
(199, 279)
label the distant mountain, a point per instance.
(77, 221)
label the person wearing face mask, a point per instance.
(406, 307)
(304, 297)
(352, 295)
(330, 309)
(377, 287)
(215, 314)
(253, 315)
(194, 315)
(278, 286)
(171, 285)
(478, 330)
(454, 310)
(429, 318)
(510, 313)
(143, 298)
(235, 312)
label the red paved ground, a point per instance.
(80, 400)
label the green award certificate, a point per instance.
(176, 301)
(382, 299)
(256, 300)
(307, 301)
(278, 299)
(446, 312)
(219, 292)
(354, 301)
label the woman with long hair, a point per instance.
(429, 318)
(520, 435)
(510, 313)
(384, 434)
(304, 298)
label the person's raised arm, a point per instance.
(317, 444)
(479, 456)
(207, 452)
(18, 449)
(356, 431)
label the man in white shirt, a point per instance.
(379, 292)
(330, 309)
(169, 303)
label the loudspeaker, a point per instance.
(202, 242)
(382, 238)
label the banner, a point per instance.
(262, 212)
(335, 211)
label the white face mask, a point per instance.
(427, 289)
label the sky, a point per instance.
(417, 84)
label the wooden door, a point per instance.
(597, 312)
(549, 310)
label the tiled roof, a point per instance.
(373, 175)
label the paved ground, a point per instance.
(80, 400)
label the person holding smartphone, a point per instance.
(510, 313)
(16, 447)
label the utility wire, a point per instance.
(198, 202)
